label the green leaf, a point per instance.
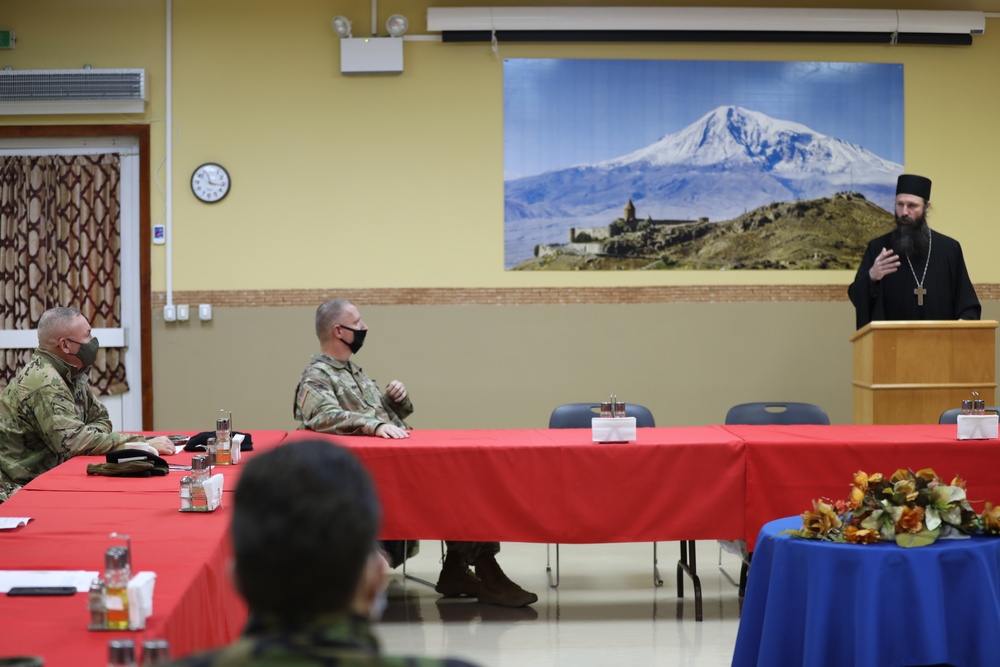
(921, 539)
(932, 518)
(952, 515)
(872, 521)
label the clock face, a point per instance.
(210, 182)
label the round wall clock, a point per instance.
(210, 182)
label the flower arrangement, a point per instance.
(909, 508)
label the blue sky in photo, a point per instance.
(563, 112)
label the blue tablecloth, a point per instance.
(811, 603)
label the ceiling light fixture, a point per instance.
(705, 24)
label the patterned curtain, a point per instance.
(60, 242)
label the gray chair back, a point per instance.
(578, 415)
(777, 413)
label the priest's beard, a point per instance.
(911, 239)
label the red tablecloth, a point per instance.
(556, 485)
(788, 466)
(194, 606)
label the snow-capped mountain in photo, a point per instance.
(729, 161)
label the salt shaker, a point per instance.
(95, 604)
(121, 653)
(155, 652)
(186, 485)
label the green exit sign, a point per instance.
(7, 39)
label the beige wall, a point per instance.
(490, 367)
(347, 183)
(508, 366)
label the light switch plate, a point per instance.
(205, 312)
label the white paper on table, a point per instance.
(80, 579)
(9, 522)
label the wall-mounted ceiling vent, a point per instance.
(60, 91)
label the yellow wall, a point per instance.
(343, 183)
(387, 181)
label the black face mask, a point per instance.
(359, 338)
(87, 352)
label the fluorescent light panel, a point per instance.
(444, 19)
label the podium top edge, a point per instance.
(924, 324)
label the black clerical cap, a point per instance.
(911, 184)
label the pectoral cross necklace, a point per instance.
(920, 291)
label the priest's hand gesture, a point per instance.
(887, 262)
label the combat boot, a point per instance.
(456, 579)
(496, 588)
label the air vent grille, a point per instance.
(72, 91)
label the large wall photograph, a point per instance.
(698, 165)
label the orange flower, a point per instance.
(900, 474)
(958, 481)
(855, 499)
(860, 480)
(991, 519)
(875, 478)
(928, 474)
(821, 520)
(857, 535)
(911, 521)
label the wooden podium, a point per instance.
(909, 372)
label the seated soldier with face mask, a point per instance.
(336, 396)
(48, 412)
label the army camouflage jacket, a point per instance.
(336, 396)
(337, 640)
(47, 415)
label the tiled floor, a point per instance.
(606, 611)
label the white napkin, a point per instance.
(213, 489)
(140, 599)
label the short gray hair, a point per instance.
(327, 315)
(53, 323)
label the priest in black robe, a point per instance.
(913, 272)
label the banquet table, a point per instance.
(556, 485)
(528, 485)
(788, 466)
(811, 603)
(194, 605)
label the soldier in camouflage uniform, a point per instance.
(305, 519)
(335, 396)
(48, 412)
